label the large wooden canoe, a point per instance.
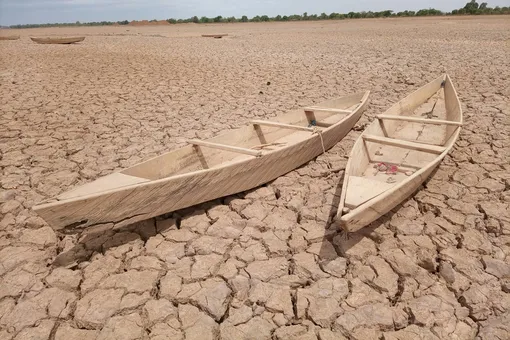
(52, 40)
(397, 152)
(204, 170)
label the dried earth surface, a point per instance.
(264, 264)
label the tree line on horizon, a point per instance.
(471, 8)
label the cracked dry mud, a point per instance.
(264, 264)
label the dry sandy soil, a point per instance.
(263, 264)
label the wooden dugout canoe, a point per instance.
(215, 36)
(51, 40)
(409, 140)
(230, 163)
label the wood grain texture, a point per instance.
(224, 147)
(281, 125)
(365, 158)
(419, 120)
(174, 186)
(404, 144)
(327, 109)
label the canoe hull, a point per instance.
(358, 219)
(61, 41)
(129, 205)
(380, 203)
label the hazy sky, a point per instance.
(44, 11)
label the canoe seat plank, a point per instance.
(225, 147)
(326, 109)
(281, 125)
(418, 120)
(109, 182)
(405, 144)
(362, 189)
(310, 116)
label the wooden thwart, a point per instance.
(326, 109)
(418, 120)
(404, 144)
(282, 125)
(225, 147)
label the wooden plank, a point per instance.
(404, 144)
(225, 147)
(418, 120)
(362, 189)
(281, 125)
(112, 181)
(327, 109)
(310, 116)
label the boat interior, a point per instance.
(252, 140)
(403, 140)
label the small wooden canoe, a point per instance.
(9, 37)
(64, 40)
(215, 36)
(397, 152)
(205, 170)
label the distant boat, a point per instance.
(398, 151)
(9, 37)
(51, 40)
(215, 36)
(204, 170)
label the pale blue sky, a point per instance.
(43, 11)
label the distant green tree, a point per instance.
(264, 18)
(218, 18)
(428, 12)
(195, 19)
(323, 16)
(204, 20)
(471, 7)
(244, 18)
(278, 18)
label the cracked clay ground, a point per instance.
(263, 264)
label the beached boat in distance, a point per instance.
(215, 36)
(53, 40)
(9, 37)
(205, 170)
(397, 152)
